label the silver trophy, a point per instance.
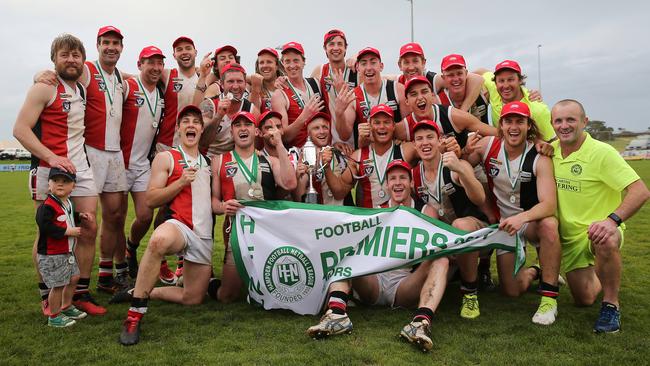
(309, 156)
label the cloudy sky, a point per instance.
(593, 51)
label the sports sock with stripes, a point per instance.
(548, 290)
(338, 302)
(106, 271)
(138, 307)
(121, 268)
(423, 313)
(468, 288)
(82, 288)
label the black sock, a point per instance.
(338, 302)
(43, 290)
(548, 290)
(121, 268)
(82, 288)
(213, 288)
(139, 303)
(423, 313)
(538, 272)
(468, 288)
(131, 246)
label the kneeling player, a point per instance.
(180, 179)
(523, 186)
(449, 187)
(400, 287)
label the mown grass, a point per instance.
(239, 333)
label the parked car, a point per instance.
(22, 154)
(8, 153)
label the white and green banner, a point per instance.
(288, 253)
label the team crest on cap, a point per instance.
(66, 106)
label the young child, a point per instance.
(55, 218)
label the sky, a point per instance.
(591, 51)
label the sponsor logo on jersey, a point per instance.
(568, 185)
(576, 169)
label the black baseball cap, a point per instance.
(57, 172)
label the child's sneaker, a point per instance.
(60, 321)
(74, 313)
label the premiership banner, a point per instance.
(288, 253)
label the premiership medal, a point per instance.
(71, 259)
(250, 175)
(153, 110)
(112, 112)
(381, 177)
(441, 212)
(381, 193)
(511, 179)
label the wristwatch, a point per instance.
(615, 218)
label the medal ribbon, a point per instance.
(300, 102)
(200, 161)
(438, 199)
(249, 174)
(381, 178)
(367, 100)
(521, 163)
(144, 92)
(101, 73)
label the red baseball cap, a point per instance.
(507, 64)
(415, 80)
(225, 48)
(190, 108)
(368, 50)
(515, 108)
(319, 115)
(411, 48)
(333, 33)
(429, 124)
(452, 60)
(182, 39)
(398, 163)
(270, 50)
(293, 46)
(107, 29)
(150, 51)
(232, 67)
(381, 108)
(266, 115)
(247, 115)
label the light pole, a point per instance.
(539, 67)
(412, 37)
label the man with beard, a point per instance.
(395, 288)
(368, 164)
(318, 130)
(353, 105)
(524, 203)
(299, 100)
(219, 111)
(333, 75)
(505, 85)
(449, 186)
(245, 174)
(50, 125)
(180, 180)
(142, 117)
(268, 70)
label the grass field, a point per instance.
(239, 333)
